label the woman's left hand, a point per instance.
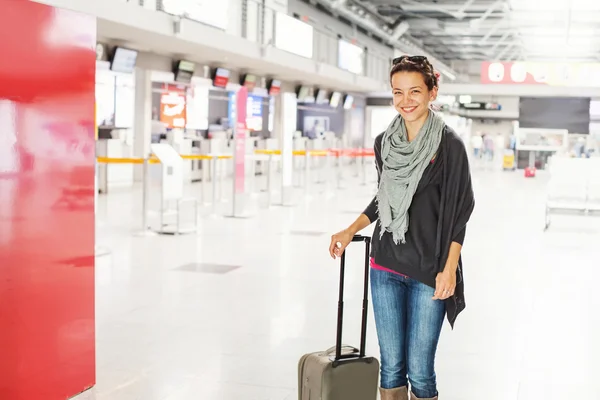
(445, 284)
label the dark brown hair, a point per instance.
(416, 64)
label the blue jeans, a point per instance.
(408, 325)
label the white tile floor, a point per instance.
(530, 330)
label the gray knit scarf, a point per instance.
(403, 166)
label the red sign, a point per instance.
(508, 73)
(221, 77)
(240, 139)
(275, 87)
(541, 73)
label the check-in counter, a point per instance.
(112, 176)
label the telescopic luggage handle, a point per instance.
(365, 304)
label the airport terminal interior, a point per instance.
(172, 173)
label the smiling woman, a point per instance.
(414, 87)
(422, 207)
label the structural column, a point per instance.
(284, 127)
(47, 255)
(142, 122)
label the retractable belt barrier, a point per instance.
(312, 153)
(153, 160)
(327, 154)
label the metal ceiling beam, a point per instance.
(455, 41)
(514, 55)
(491, 32)
(430, 7)
(462, 26)
(400, 30)
(464, 8)
(477, 22)
(474, 7)
(402, 45)
(504, 51)
(499, 42)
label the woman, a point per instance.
(422, 206)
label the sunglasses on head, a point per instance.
(416, 59)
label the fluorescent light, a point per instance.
(448, 74)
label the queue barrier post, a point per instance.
(214, 183)
(328, 171)
(252, 175)
(338, 156)
(307, 171)
(145, 195)
(269, 178)
(205, 164)
(363, 165)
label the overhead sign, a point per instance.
(539, 73)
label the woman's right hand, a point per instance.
(339, 241)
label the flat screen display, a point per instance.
(322, 96)
(288, 30)
(336, 98)
(124, 60)
(254, 116)
(274, 87)
(249, 81)
(350, 57)
(348, 102)
(184, 71)
(306, 94)
(221, 78)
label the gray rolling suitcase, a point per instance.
(341, 372)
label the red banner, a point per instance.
(507, 73)
(540, 73)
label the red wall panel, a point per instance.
(47, 83)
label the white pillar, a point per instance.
(142, 123)
(284, 128)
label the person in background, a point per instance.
(512, 142)
(477, 144)
(488, 147)
(422, 206)
(579, 148)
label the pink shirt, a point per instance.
(379, 267)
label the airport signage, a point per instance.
(541, 73)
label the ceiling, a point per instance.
(531, 30)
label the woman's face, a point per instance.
(411, 96)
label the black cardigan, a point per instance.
(456, 206)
